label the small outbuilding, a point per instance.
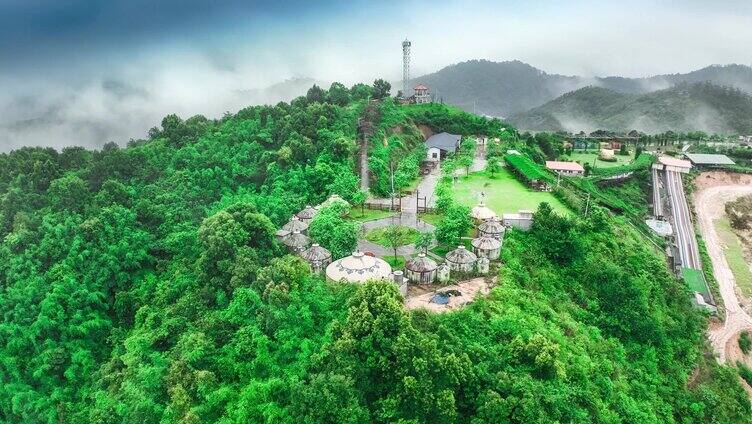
(439, 145)
(295, 224)
(282, 234)
(491, 228)
(296, 241)
(481, 212)
(709, 160)
(487, 247)
(421, 269)
(358, 268)
(521, 220)
(566, 169)
(307, 214)
(461, 259)
(318, 257)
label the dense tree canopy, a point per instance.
(144, 285)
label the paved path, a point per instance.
(479, 162)
(710, 205)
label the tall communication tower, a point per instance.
(405, 66)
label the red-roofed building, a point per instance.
(421, 94)
(567, 169)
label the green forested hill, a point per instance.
(685, 107)
(144, 285)
(509, 88)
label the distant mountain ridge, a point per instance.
(509, 88)
(684, 107)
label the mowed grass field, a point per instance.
(504, 193)
(583, 158)
(735, 256)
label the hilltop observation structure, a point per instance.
(405, 66)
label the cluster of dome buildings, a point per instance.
(360, 266)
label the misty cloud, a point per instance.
(87, 72)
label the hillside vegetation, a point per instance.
(686, 107)
(145, 285)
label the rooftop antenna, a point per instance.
(405, 66)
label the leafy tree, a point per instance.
(455, 224)
(333, 232)
(493, 166)
(338, 94)
(316, 94)
(396, 236)
(381, 89)
(425, 240)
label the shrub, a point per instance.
(745, 342)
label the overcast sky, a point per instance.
(86, 72)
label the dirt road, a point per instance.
(709, 204)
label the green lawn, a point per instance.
(504, 193)
(378, 236)
(735, 256)
(397, 262)
(431, 218)
(358, 216)
(694, 280)
(583, 158)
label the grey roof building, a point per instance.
(444, 141)
(709, 159)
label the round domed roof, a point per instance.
(316, 253)
(461, 255)
(482, 212)
(491, 226)
(421, 263)
(307, 213)
(358, 268)
(295, 224)
(296, 240)
(486, 243)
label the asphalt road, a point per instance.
(685, 233)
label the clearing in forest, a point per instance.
(503, 193)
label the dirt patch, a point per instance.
(719, 178)
(713, 191)
(426, 131)
(423, 296)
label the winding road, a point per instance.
(710, 205)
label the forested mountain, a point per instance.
(145, 285)
(508, 88)
(685, 107)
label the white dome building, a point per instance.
(421, 269)
(307, 214)
(491, 228)
(481, 212)
(295, 224)
(358, 268)
(318, 257)
(487, 247)
(461, 259)
(296, 241)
